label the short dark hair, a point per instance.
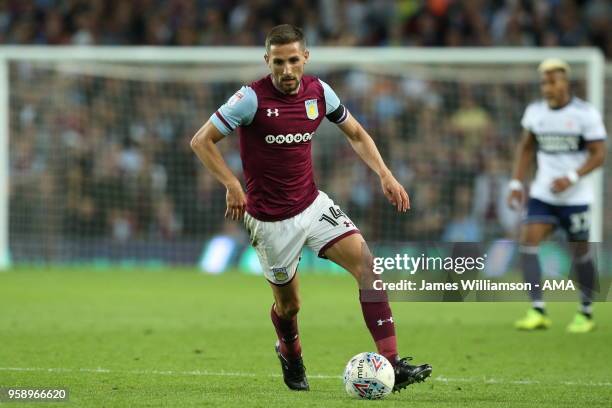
(285, 34)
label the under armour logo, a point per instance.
(272, 112)
(348, 224)
(389, 320)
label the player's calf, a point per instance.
(287, 333)
(379, 321)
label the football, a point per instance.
(369, 376)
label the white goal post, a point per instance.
(503, 58)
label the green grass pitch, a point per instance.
(177, 338)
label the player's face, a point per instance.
(555, 88)
(286, 63)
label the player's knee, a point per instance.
(530, 238)
(362, 266)
(287, 310)
(364, 271)
(527, 242)
(580, 250)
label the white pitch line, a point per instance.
(205, 373)
(156, 372)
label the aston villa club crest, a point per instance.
(280, 274)
(312, 109)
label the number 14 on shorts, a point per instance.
(333, 219)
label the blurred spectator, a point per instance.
(463, 226)
(106, 154)
(489, 202)
(326, 22)
(470, 121)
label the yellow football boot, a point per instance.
(534, 320)
(581, 324)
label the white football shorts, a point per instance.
(279, 243)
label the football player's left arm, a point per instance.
(596, 157)
(365, 147)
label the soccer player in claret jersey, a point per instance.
(569, 137)
(277, 117)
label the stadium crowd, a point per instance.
(326, 22)
(93, 157)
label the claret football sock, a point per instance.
(378, 319)
(287, 333)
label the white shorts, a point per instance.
(279, 243)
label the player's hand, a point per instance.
(394, 192)
(236, 201)
(560, 184)
(516, 199)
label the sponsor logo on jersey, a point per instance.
(558, 142)
(312, 109)
(289, 138)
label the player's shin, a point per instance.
(532, 274)
(379, 320)
(585, 274)
(288, 336)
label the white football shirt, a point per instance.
(561, 136)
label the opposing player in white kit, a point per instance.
(276, 118)
(569, 137)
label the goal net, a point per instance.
(100, 168)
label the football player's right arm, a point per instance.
(364, 146)
(204, 146)
(523, 158)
